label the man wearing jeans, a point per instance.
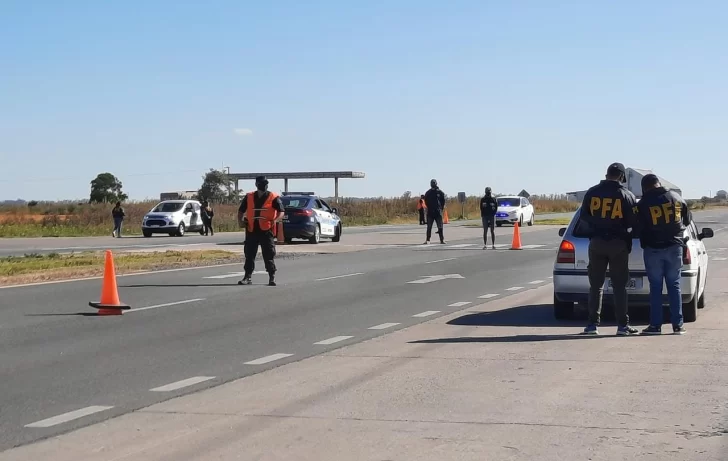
(663, 218)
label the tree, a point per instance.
(106, 188)
(217, 187)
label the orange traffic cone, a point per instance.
(445, 219)
(109, 303)
(281, 237)
(516, 244)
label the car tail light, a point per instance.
(303, 213)
(687, 259)
(567, 253)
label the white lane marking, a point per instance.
(514, 288)
(459, 304)
(528, 247)
(70, 416)
(462, 245)
(719, 259)
(267, 359)
(441, 260)
(535, 282)
(84, 279)
(550, 277)
(488, 296)
(333, 340)
(426, 314)
(434, 278)
(232, 274)
(340, 276)
(383, 326)
(176, 303)
(181, 384)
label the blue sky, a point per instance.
(525, 94)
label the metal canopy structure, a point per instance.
(335, 175)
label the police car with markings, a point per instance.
(309, 217)
(571, 280)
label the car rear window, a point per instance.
(291, 202)
(509, 202)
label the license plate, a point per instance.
(632, 284)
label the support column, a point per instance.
(336, 190)
(237, 186)
(285, 184)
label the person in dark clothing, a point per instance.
(488, 208)
(663, 217)
(118, 214)
(610, 212)
(435, 203)
(207, 214)
(259, 213)
(421, 207)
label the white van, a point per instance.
(173, 217)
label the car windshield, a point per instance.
(168, 207)
(295, 202)
(510, 201)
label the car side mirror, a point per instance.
(707, 233)
(562, 231)
(335, 211)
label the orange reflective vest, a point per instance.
(420, 204)
(266, 215)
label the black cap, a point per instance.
(616, 168)
(260, 180)
(649, 180)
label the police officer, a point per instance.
(609, 209)
(421, 209)
(488, 208)
(435, 204)
(259, 213)
(663, 218)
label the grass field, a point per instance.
(77, 220)
(40, 268)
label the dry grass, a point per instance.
(75, 220)
(40, 268)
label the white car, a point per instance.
(173, 217)
(571, 280)
(513, 209)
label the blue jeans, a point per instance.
(664, 264)
(117, 226)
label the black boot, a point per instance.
(246, 280)
(271, 280)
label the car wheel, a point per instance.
(181, 230)
(690, 310)
(530, 221)
(498, 224)
(316, 235)
(520, 220)
(337, 234)
(146, 234)
(563, 310)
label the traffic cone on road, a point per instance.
(109, 303)
(445, 219)
(516, 244)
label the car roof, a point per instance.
(300, 196)
(509, 196)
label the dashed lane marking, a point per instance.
(232, 274)
(267, 359)
(514, 288)
(459, 304)
(426, 314)
(383, 326)
(333, 340)
(339, 276)
(176, 303)
(70, 416)
(488, 296)
(535, 282)
(182, 384)
(441, 260)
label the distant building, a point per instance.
(178, 195)
(721, 195)
(634, 184)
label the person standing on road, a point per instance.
(663, 218)
(259, 213)
(118, 214)
(609, 209)
(421, 207)
(488, 208)
(207, 214)
(435, 204)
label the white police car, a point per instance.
(309, 217)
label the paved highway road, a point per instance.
(193, 329)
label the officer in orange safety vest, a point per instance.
(259, 213)
(421, 207)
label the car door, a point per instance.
(528, 209)
(324, 212)
(702, 254)
(187, 214)
(333, 217)
(196, 219)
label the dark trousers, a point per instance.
(118, 222)
(207, 223)
(613, 254)
(488, 223)
(432, 218)
(267, 243)
(422, 216)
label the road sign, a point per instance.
(462, 197)
(435, 278)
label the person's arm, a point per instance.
(687, 214)
(441, 197)
(242, 210)
(278, 206)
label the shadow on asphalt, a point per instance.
(510, 339)
(536, 315)
(192, 285)
(77, 314)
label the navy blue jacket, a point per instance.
(663, 218)
(435, 201)
(610, 210)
